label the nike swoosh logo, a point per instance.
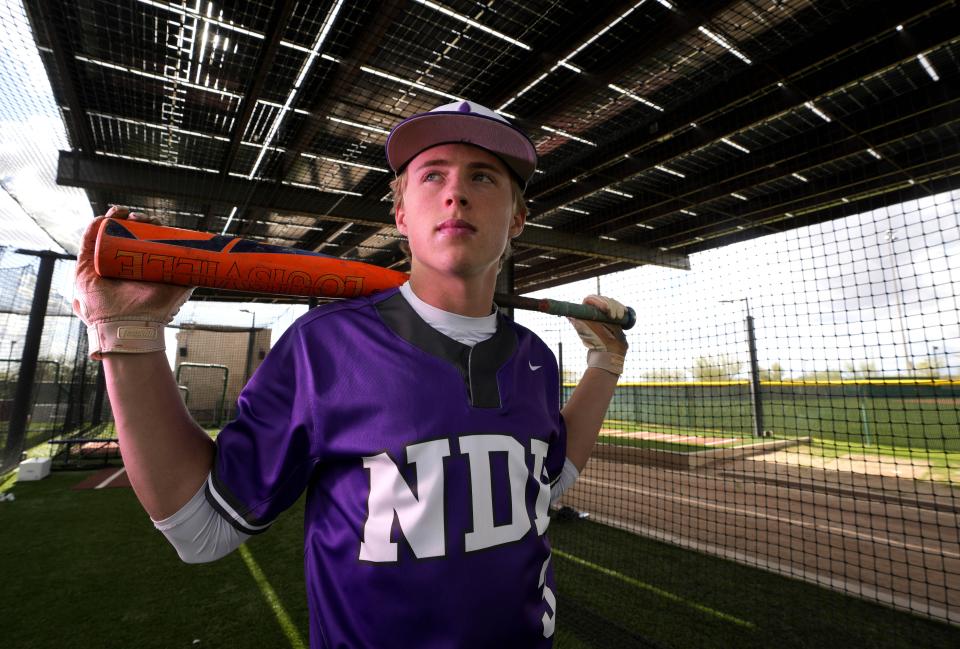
(534, 368)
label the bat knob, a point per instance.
(629, 318)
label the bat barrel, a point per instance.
(136, 250)
(141, 251)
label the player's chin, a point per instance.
(466, 264)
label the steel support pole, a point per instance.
(96, 417)
(22, 401)
(505, 284)
(755, 398)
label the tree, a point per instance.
(775, 373)
(928, 368)
(716, 368)
(860, 370)
(822, 375)
(665, 374)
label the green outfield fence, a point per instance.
(903, 413)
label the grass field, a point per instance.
(942, 466)
(86, 569)
(881, 415)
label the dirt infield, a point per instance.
(96, 449)
(112, 478)
(883, 537)
(673, 438)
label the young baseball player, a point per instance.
(424, 426)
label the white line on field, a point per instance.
(907, 602)
(111, 478)
(834, 529)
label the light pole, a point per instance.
(253, 331)
(934, 365)
(755, 398)
(890, 238)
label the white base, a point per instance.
(36, 468)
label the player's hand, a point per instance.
(122, 316)
(606, 343)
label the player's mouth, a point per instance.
(456, 226)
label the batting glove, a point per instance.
(606, 343)
(121, 316)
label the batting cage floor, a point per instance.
(84, 567)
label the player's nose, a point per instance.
(456, 193)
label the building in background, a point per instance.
(212, 366)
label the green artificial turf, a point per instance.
(633, 591)
(86, 569)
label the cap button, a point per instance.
(464, 107)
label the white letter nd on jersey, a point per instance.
(421, 518)
(485, 534)
(539, 449)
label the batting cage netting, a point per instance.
(773, 187)
(790, 404)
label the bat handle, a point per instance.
(570, 309)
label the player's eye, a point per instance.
(483, 177)
(431, 176)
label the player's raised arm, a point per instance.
(587, 406)
(166, 454)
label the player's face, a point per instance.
(458, 211)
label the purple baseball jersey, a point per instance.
(427, 466)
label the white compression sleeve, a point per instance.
(199, 533)
(567, 477)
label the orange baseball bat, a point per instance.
(154, 253)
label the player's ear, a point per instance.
(400, 216)
(517, 222)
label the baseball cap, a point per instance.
(462, 122)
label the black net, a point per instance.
(772, 186)
(790, 403)
(36, 402)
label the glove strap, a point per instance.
(604, 360)
(124, 337)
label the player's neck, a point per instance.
(471, 296)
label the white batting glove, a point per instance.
(122, 316)
(606, 343)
